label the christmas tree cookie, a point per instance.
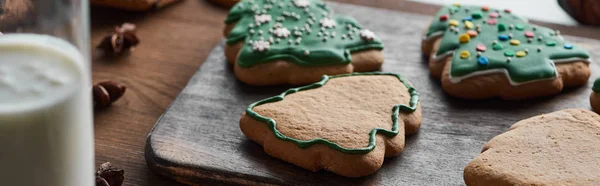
(346, 124)
(595, 96)
(296, 42)
(558, 148)
(480, 52)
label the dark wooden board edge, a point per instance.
(191, 175)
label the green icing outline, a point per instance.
(414, 100)
(333, 52)
(596, 87)
(534, 66)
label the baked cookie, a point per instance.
(595, 96)
(225, 3)
(559, 148)
(14, 13)
(296, 42)
(133, 5)
(345, 124)
(480, 52)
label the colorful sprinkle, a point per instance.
(444, 17)
(464, 54)
(503, 37)
(468, 18)
(482, 60)
(493, 15)
(519, 27)
(568, 46)
(468, 24)
(550, 43)
(453, 22)
(529, 34)
(501, 27)
(477, 15)
(485, 8)
(456, 4)
(521, 54)
(492, 22)
(497, 46)
(472, 33)
(509, 53)
(507, 10)
(464, 38)
(515, 42)
(480, 47)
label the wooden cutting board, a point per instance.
(198, 139)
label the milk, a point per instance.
(46, 134)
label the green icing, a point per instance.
(318, 45)
(272, 124)
(596, 87)
(534, 66)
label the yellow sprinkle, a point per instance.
(515, 42)
(521, 54)
(464, 38)
(456, 4)
(453, 22)
(464, 54)
(468, 24)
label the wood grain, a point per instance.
(175, 42)
(198, 139)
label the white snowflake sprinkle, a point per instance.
(302, 3)
(263, 18)
(367, 35)
(281, 32)
(327, 23)
(261, 46)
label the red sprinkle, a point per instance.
(507, 10)
(493, 15)
(492, 21)
(529, 34)
(444, 17)
(485, 8)
(472, 33)
(480, 47)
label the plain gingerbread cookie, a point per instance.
(480, 52)
(296, 42)
(346, 124)
(559, 148)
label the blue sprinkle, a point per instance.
(482, 60)
(568, 46)
(468, 18)
(503, 37)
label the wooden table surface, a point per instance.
(174, 43)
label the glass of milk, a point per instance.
(46, 125)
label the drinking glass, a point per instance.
(46, 125)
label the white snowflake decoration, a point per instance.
(281, 32)
(302, 3)
(327, 23)
(262, 18)
(367, 35)
(260, 46)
